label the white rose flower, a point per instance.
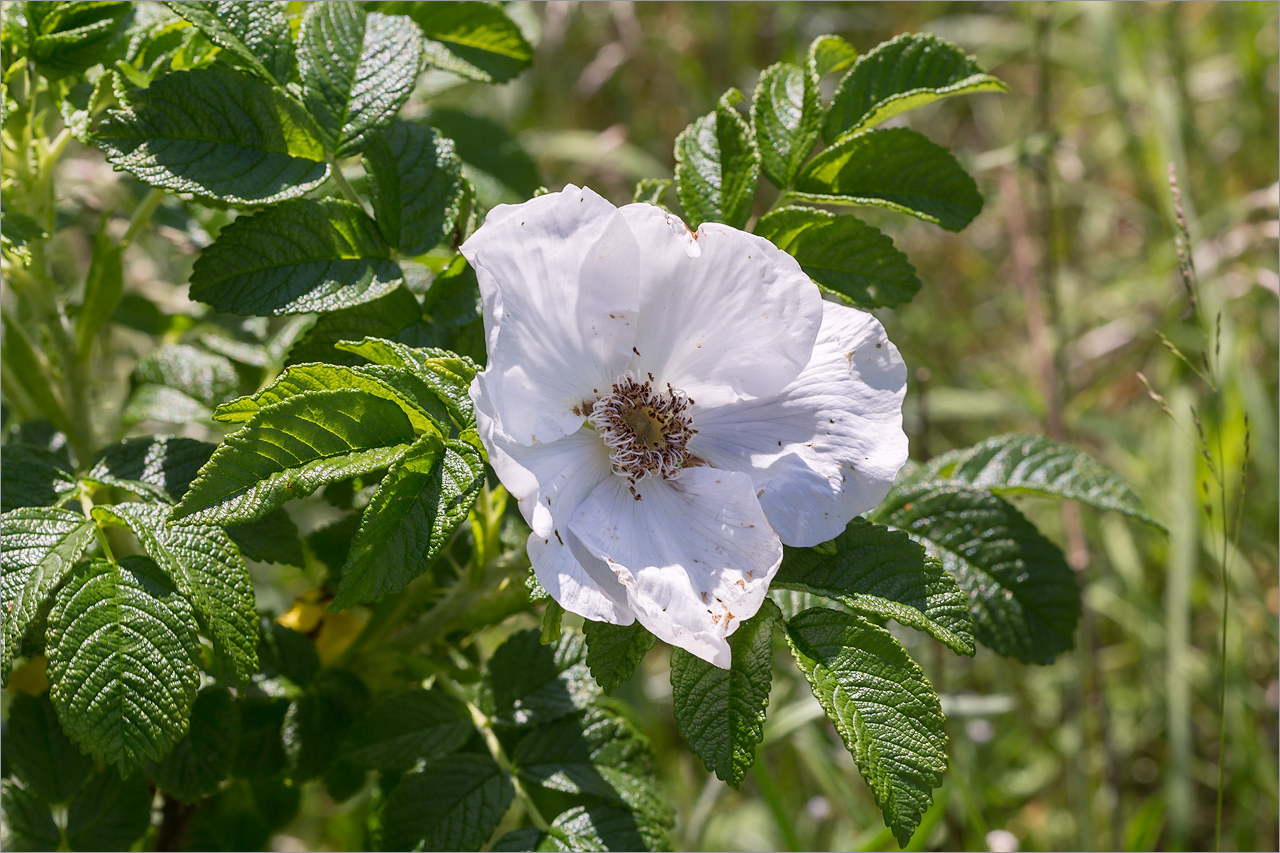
(670, 407)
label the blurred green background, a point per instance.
(1038, 317)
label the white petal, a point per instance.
(600, 598)
(695, 554)
(548, 479)
(558, 279)
(828, 447)
(723, 314)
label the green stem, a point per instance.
(142, 215)
(86, 506)
(494, 746)
(340, 181)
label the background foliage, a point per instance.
(1036, 318)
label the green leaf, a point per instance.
(103, 287)
(427, 492)
(720, 712)
(448, 374)
(717, 166)
(109, 814)
(415, 181)
(29, 822)
(17, 230)
(452, 803)
(1022, 594)
(123, 661)
(843, 255)
(522, 839)
(284, 651)
(600, 755)
(495, 161)
(614, 651)
(202, 759)
(274, 538)
(207, 378)
(584, 828)
(787, 116)
(85, 103)
(38, 548)
(255, 34)
(829, 55)
(260, 754)
(535, 684)
(407, 727)
(302, 255)
(884, 573)
(161, 466)
(216, 133)
(882, 705)
(475, 40)
(30, 370)
(41, 754)
(651, 190)
(68, 38)
(303, 379)
(901, 74)
(242, 815)
(897, 169)
(164, 405)
(395, 315)
(318, 720)
(32, 476)
(1019, 463)
(204, 564)
(290, 449)
(357, 70)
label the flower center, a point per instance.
(647, 431)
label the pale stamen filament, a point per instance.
(647, 432)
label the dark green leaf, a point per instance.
(415, 180)
(427, 492)
(898, 169)
(303, 255)
(103, 287)
(302, 379)
(284, 651)
(614, 651)
(41, 754)
(162, 466)
(525, 838)
(216, 133)
(452, 803)
(786, 116)
(720, 712)
(1019, 463)
(33, 476)
(38, 548)
(109, 814)
(535, 684)
(331, 543)
(843, 255)
(884, 573)
(243, 815)
(881, 704)
(29, 822)
(717, 166)
(16, 231)
(1022, 594)
(497, 164)
(201, 760)
(592, 828)
(256, 34)
(357, 70)
(292, 448)
(204, 564)
(474, 40)
(205, 377)
(274, 538)
(123, 655)
(261, 750)
(395, 316)
(448, 374)
(318, 720)
(163, 404)
(829, 55)
(408, 727)
(68, 38)
(899, 75)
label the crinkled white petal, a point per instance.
(558, 282)
(828, 447)
(723, 314)
(592, 595)
(548, 479)
(695, 554)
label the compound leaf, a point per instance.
(216, 133)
